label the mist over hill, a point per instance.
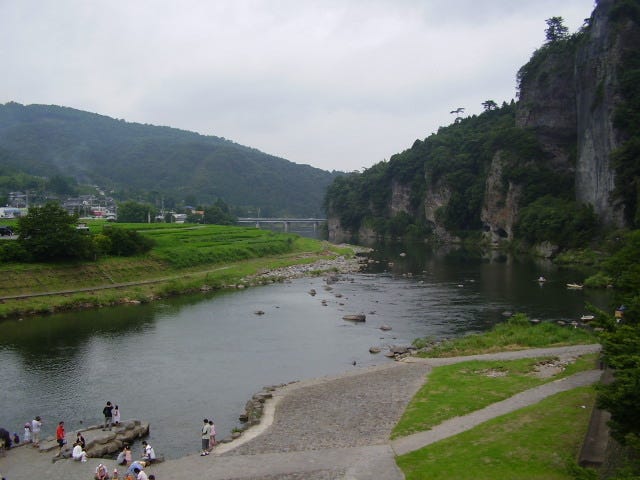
(140, 161)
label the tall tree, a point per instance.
(134, 212)
(556, 30)
(49, 233)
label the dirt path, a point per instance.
(323, 429)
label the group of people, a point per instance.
(135, 467)
(208, 437)
(111, 415)
(136, 470)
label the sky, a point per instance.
(336, 84)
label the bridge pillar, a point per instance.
(257, 224)
(315, 226)
(286, 226)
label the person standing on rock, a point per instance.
(27, 432)
(212, 435)
(116, 415)
(36, 425)
(60, 437)
(107, 411)
(206, 434)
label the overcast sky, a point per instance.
(337, 84)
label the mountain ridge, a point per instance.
(134, 159)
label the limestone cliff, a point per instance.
(400, 198)
(466, 176)
(500, 207)
(436, 198)
(597, 64)
(569, 98)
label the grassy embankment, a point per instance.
(186, 258)
(541, 441)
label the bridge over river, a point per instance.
(285, 222)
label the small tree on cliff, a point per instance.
(489, 105)
(556, 30)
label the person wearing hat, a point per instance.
(36, 425)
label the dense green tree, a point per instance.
(134, 212)
(62, 185)
(218, 214)
(49, 233)
(621, 343)
(125, 242)
(563, 222)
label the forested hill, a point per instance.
(554, 168)
(133, 159)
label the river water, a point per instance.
(176, 361)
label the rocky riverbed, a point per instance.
(338, 265)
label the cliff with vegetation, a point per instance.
(552, 167)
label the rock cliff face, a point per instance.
(547, 105)
(568, 95)
(400, 198)
(437, 197)
(500, 208)
(597, 62)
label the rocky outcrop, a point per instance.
(338, 234)
(568, 97)
(438, 196)
(500, 207)
(102, 443)
(400, 198)
(547, 102)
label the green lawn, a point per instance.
(536, 442)
(516, 333)
(455, 390)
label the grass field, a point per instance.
(455, 390)
(537, 442)
(515, 334)
(185, 258)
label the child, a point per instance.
(27, 432)
(212, 435)
(101, 472)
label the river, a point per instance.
(176, 361)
